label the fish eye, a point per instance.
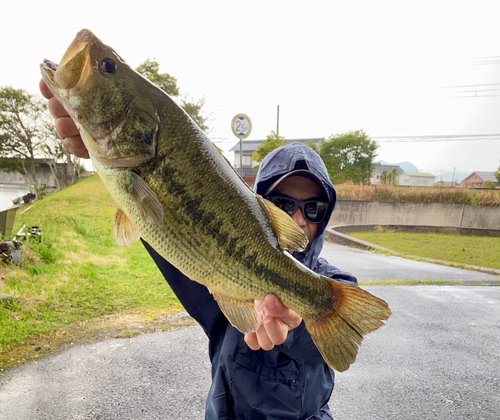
(108, 66)
(148, 137)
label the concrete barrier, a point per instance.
(7, 218)
(349, 212)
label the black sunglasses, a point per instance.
(314, 211)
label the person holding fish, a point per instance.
(279, 318)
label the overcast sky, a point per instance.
(390, 68)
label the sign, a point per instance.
(241, 126)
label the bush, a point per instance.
(490, 185)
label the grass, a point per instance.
(468, 250)
(76, 281)
(424, 195)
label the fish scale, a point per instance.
(174, 189)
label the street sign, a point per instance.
(241, 126)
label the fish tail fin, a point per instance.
(354, 313)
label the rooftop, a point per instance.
(252, 145)
(424, 174)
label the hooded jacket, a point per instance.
(291, 381)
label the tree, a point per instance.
(389, 178)
(273, 141)
(497, 175)
(23, 131)
(349, 157)
(313, 146)
(194, 111)
(151, 70)
(54, 152)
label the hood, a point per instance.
(292, 157)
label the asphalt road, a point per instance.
(438, 357)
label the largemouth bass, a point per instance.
(174, 189)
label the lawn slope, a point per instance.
(77, 281)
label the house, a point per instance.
(406, 178)
(247, 163)
(379, 170)
(476, 179)
(416, 179)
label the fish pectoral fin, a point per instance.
(240, 313)
(124, 230)
(289, 234)
(147, 201)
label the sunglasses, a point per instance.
(314, 211)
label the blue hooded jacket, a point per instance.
(291, 381)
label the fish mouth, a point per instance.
(76, 61)
(67, 81)
(66, 78)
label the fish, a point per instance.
(174, 189)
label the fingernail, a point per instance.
(271, 302)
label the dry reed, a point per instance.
(426, 195)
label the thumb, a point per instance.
(275, 308)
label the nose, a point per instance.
(298, 218)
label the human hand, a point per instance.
(65, 126)
(277, 321)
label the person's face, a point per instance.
(301, 189)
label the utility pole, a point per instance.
(278, 122)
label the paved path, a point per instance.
(368, 266)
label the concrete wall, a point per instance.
(44, 176)
(454, 215)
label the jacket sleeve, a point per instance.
(300, 346)
(195, 297)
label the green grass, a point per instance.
(470, 250)
(76, 274)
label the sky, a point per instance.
(411, 74)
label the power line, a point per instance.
(487, 60)
(475, 91)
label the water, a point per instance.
(8, 193)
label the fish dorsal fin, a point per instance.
(240, 313)
(146, 200)
(289, 234)
(124, 230)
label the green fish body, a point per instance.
(175, 189)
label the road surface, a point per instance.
(438, 357)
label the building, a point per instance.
(476, 179)
(379, 170)
(249, 147)
(405, 178)
(417, 179)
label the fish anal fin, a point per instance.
(240, 313)
(145, 198)
(289, 234)
(354, 314)
(124, 230)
